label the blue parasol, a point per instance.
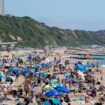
(13, 71)
(63, 89)
(52, 93)
(25, 71)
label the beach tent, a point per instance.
(56, 101)
(52, 93)
(82, 68)
(63, 89)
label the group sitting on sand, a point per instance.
(58, 81)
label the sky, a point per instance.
(67, 14)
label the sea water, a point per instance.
(100, 61)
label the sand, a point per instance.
(21, 81)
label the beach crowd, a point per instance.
(40, 79)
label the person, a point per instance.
(14, 93)
(102, 98)
(10, 87)
(67, 99)
(0, 77)
(97, 65)
(17, 76)
(26, 87)
(20, 90)
(1, 100)
(98, 103)
(26, 100)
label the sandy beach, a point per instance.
(98, 76)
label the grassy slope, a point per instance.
(35, 34)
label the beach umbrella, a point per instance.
(44, 65)
(33, 70)
(40, 73)
(25, 71)
(57, 85)
(66, 75)
(38, 65)
(46, 73)
(9, 79)
(13, 78)
(13, 71)
(82, 68)
(63, 89)
(52, 93)
(47, 88)
(54, 81)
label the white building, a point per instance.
(1, 7)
